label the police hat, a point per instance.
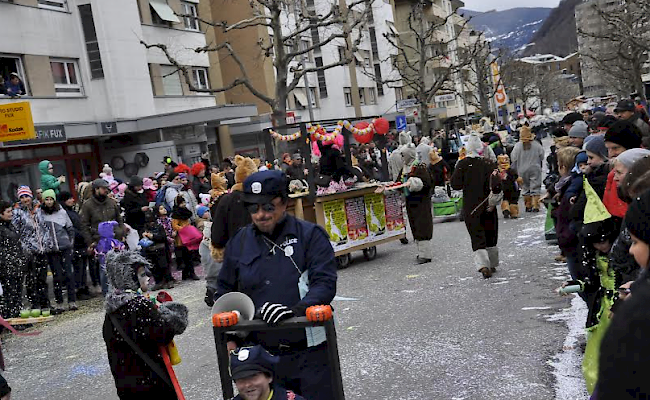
(263, 186)
(248, 361)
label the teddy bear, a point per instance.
(510, 184)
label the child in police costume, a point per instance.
(252, 370)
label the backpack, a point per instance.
(161, 199)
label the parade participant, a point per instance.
(526, 159)
(415, 175)
(79, 255)
(135, 204)
(423, 149)
(438, 168)
(252, 370)
(200, 183)
(12, 264)
(48, 181)
(36, 240)
(395, 162)
(181, 218)
(510, 186)
(100, 208)
(134, 330)
(626, 110)
(285, 265)
(477, 177)
(229, 216)
(60, 256)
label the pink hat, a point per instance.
(147, 184)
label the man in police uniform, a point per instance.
(285, 265)
(252, 369)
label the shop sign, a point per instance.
(406, 103)
(44, 134)
(16, 122)
(109, 128)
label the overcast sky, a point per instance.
(485, 5)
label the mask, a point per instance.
(140, 191)
(143, 279)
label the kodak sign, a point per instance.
(16, 122)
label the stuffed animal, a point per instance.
(510, 184)
(245, 167)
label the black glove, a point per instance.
(274, 313)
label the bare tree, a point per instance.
(519, 79)
(287, 21)
(427, 59)
(620, 42)
(483, 87)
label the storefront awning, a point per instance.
(163, 10)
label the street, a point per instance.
(437, 331)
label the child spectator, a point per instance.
(181, 218)
(14, 86)
(60, 256)
(150, 189)
(156, 253)
(166, 223)
(106, 243)
(202, 215)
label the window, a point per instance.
(200, 78)
(171, 81)
(304, 45)
(347, 93)
(322, 83)
(362, 96)
(399, 95)
(341, 53)
(191, 23)
(378, 79)
(372, 95)
(53, 4)
(162, 14)
(366, 61)
(92, 46)
(312, 93)
(373, 43)
(12, 64)
(66, 77)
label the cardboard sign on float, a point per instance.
(16, 122)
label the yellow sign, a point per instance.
(16, 122)
(500, 96)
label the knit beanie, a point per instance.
(200, 210)
(624, 133)
(48, 193)
(24, 191)
(629, 157)
(580, 129)
(596, 145)
(637, 218)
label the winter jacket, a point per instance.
(567, 235)
(47, 180)
(95, 211)
(12, 258)
(61, 229)
(613, 203)
(644, 128)
(172, 190)
(35, 238)
(79, 241)
(598, 180)
(132, 204)
(200, 186)
(621, 261)
(228, 216)
(145, 325)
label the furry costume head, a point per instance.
(405, 138)
(121, 272)
(245, 167)
(474, 145)
(504, 162)
(219, 184)
(197, 168)
(182, 169)
(526, 134)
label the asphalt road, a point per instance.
(436, 331)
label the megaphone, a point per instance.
(237, 302)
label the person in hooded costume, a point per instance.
(417, 178)
(477, 176)
(423, 150)
(395, 162)
(132, 320)
(48, 181)
(527, 158)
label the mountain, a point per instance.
(558, 33)
(508, 29)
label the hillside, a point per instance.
(558, 33)
(508, 29)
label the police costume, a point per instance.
(284, 273)
(248, 361)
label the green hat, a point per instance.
(48, 193)
(595, 210)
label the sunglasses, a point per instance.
(254, 207)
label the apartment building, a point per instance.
(450, 40)
(99, 96)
